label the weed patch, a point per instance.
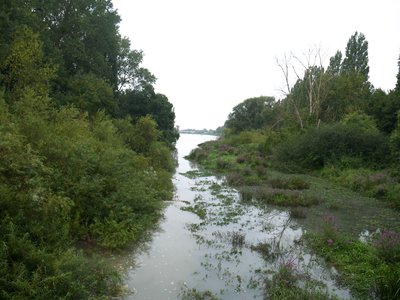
(283, 198)
(292, 183)
(361, 265)
(286, 282)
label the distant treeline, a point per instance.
(217, 131)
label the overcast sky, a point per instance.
(210, 55)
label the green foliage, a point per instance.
(245, 138)
(65, 178)
(344, 94)
(24, 66)
(70, 174)
(89, 93)
(318, 147)
(130, 74)
(356, 59)
(361, 265)
(136, 104)
(283, 198)
(360, 121)
(383, 108)
(253, 113)
(145, 133)
(397, 87)
(395, 141)
(32, 270)
(335, 64)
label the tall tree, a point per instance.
(356, 60)
(81, 36)
(397, 88)
(335, 64)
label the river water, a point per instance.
(212, 250)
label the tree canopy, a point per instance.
(253, 113)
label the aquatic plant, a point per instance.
(194, 294)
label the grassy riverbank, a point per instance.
(333, 212)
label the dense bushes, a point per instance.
(70, 173)
(65, 178)
(332, 144)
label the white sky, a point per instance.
(210, 55)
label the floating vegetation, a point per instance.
(194, 294)
(196, 209)
(192, 174)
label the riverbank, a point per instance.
(353, 232)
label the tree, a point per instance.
(397, 88)
(285, 66)
(313, 79)
(356, 59)
(348, 88)
(139, 103)
(130, 74)
(345, 93)
(253, 113)
(90, 93)
(307, 94)
(81, 36)
(335, 64)
(24, 67)
(383, 108)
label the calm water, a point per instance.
(188, 252)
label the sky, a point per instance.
(210, 55)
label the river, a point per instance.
(211, 249)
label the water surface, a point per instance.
(215, 252)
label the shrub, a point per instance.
(222, 164)
(318, 147)
(245, 138)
